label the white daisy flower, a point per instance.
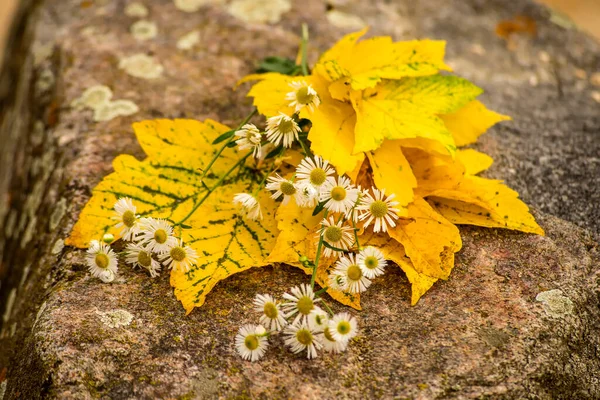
(314, 172)
(249, 138)
(340, 196)
(318, 319)
(330, 344)
(179, 256)
(271, 317)
(282, 127)
(139, 256)
(250, 205)
(379, 209)
(336, 235)
(302, 95)
(157, 235)
(281, 186)
(250, 342)
(128, 220)
(301, 301)
(371, 261)
(300, 337)
(343, 327)
(308, 195)
(100, 258)
(350, 275)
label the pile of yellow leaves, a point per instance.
(387, 118)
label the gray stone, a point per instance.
(481, 334)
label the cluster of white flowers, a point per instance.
(151, 242)
(281, 130)
(304, 325)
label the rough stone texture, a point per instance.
(482, 334)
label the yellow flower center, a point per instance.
(144, 259)
(371, 262)
(354, 272)
(178, 254)
(338, 193)
(304, 337)
(378, 208)
(327, 334)
(251, 342)
(128, 218)
(160, 236)
(287, 188)
(270, 310)
(285, 126)
(333, 234)
(319, 319)
(102, 260)
(343, 327)
(305, 305)
(303, 96)
(317, 176)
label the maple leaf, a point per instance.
(167, 184)
(409, 108)
(352, 63)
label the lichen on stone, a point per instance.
(115, 109)
(259, 11)
(93, 97)
(115, 318)
(136, 10)
(142, 66)
(555, 303)
(345, 20)
(98, 98)
(144, 30)
(189, 40)
(59, 245)
(194, 5)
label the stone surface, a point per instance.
(481, 334)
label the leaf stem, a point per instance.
(303, 50)
(319, 248)
(193, 210)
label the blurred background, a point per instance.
(584, 13)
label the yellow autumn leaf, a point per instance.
(392, 250)
(299, 237)
(332, 135)
(474, 161)
(356, 61)
(433, 172)
(471, 121)
(167, 184)
(409, 108)
(484, 202)
(392, 172)
(426, 236)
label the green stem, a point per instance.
(329, 310)
(318, 292)
(319, 248)
(305, 148)
(303, 50)
(214, 159)
(193, 210)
